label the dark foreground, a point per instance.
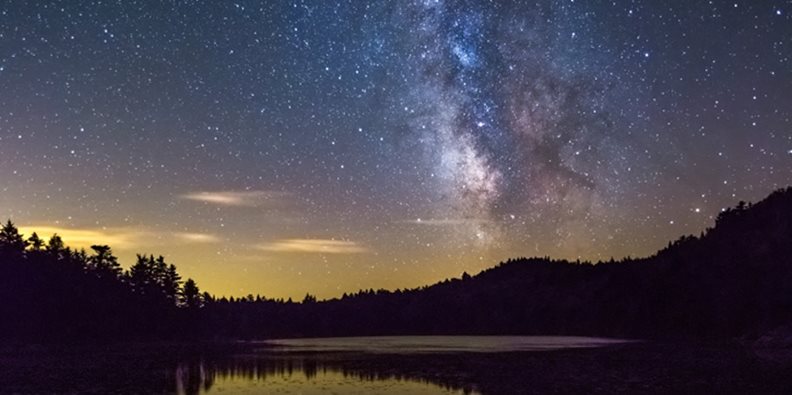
(639, 367)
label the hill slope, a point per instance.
(732, 280)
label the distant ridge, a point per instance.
(735, 279)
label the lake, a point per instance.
(391, 365)
(440, 344)
(292, 373)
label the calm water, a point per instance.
(294, 375)
(363, 365)
(298, 379)
(440, 344)
(394, 365)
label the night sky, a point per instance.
(323, 146)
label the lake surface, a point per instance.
(440, 344)
(299, 381)
(292, 374)
(392, 365)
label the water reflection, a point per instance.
(442, 344)
(362, 365)
(300, 375)
(246, 368)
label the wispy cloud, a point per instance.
(119, 238)
(314, 246)
(240, 198)
(446, 221)
(84, 238)
(201, 238)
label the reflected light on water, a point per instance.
(441, 344)
(297, 376)
(314, 366)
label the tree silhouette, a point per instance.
(11, 241)
(36, 244)
(56, 247)
(139, 275)
(309, 299)
(150, 276)
(191, 295)
(731, 280)
(103, 262)
(171, 282)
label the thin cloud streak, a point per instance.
(446, 221)
(239, 198)
(84, 238)
(313, 246)
(201, 238)
(117, 238)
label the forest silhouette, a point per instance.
(731, 280)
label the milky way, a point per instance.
(324, 146)
(520, 133)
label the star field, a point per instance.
(315, 146)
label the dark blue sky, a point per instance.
(285, 147)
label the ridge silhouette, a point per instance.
(731, 280)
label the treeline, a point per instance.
(50, 292)
(731, 280)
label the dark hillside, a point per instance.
(732, 280)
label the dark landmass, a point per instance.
(730, 281)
